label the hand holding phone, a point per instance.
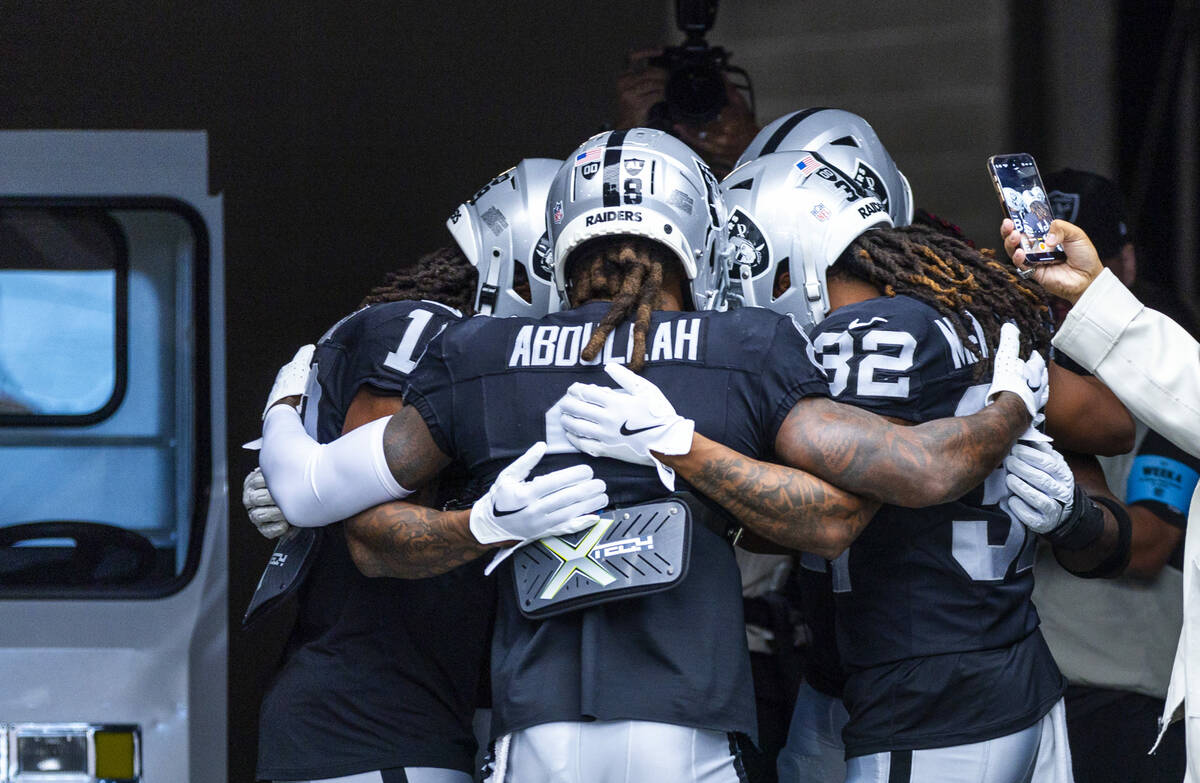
(1023, 197)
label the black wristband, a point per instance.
(1081, 529)
(1116, 563)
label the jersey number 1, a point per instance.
(402, 359)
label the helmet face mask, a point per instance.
(642, 183)
(822, 130)
(502, 232)
(795, 212)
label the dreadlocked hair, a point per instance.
(945, 273)
(443, 276)
(627, 270)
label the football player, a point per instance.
(595, 675)
(814, 751)
(380, 676)
(899, 340)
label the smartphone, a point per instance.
(1023, 197)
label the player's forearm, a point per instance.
(1153, 542)
(1106, 556)
(1109, 552)
(913, 466)
(316, 484)
(1084, 416)
(411, 542)
(785, 505)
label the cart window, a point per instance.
(102, 409)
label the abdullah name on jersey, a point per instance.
(488, 389)
(379, 673)
(935, 626)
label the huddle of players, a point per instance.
(942, 668)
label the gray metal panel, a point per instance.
(109, 163)
(161, 664)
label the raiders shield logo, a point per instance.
(1065, 205)
(542, 266)
(589, 169)
(866, 177)
(749, 245)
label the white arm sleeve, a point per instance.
(315, 484)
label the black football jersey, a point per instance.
(935, 625)
(378, 673)
(823, 664)
(489, 389)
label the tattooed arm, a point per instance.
(406, 540)
(850, 451)
(784, 505)
(411, 542)
(913, 466)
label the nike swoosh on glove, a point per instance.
(518, 508)
(1026, 378)
(627, 423)
(260, 506)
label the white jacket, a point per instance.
(1153, 366)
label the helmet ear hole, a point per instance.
(783, 279)
(520, 283)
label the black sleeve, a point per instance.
(1162, 479)
(790, 373)
(430, 390)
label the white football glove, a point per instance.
(1043, 487)
(265, 515)
(626, 423)
(514, 509)
(1027, 378)
(292, 378)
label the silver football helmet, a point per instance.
(502, 232)
(795, 212)
(644, 183)
(820, 129)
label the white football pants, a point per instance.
(623, 751)
(1038, 754)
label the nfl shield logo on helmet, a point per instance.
(558, 212)
(820, 212)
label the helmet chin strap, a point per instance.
(814, 289)
(489, 289)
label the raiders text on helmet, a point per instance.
(795, 212)
(645, 183)
(502, 232)
(819, 129)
